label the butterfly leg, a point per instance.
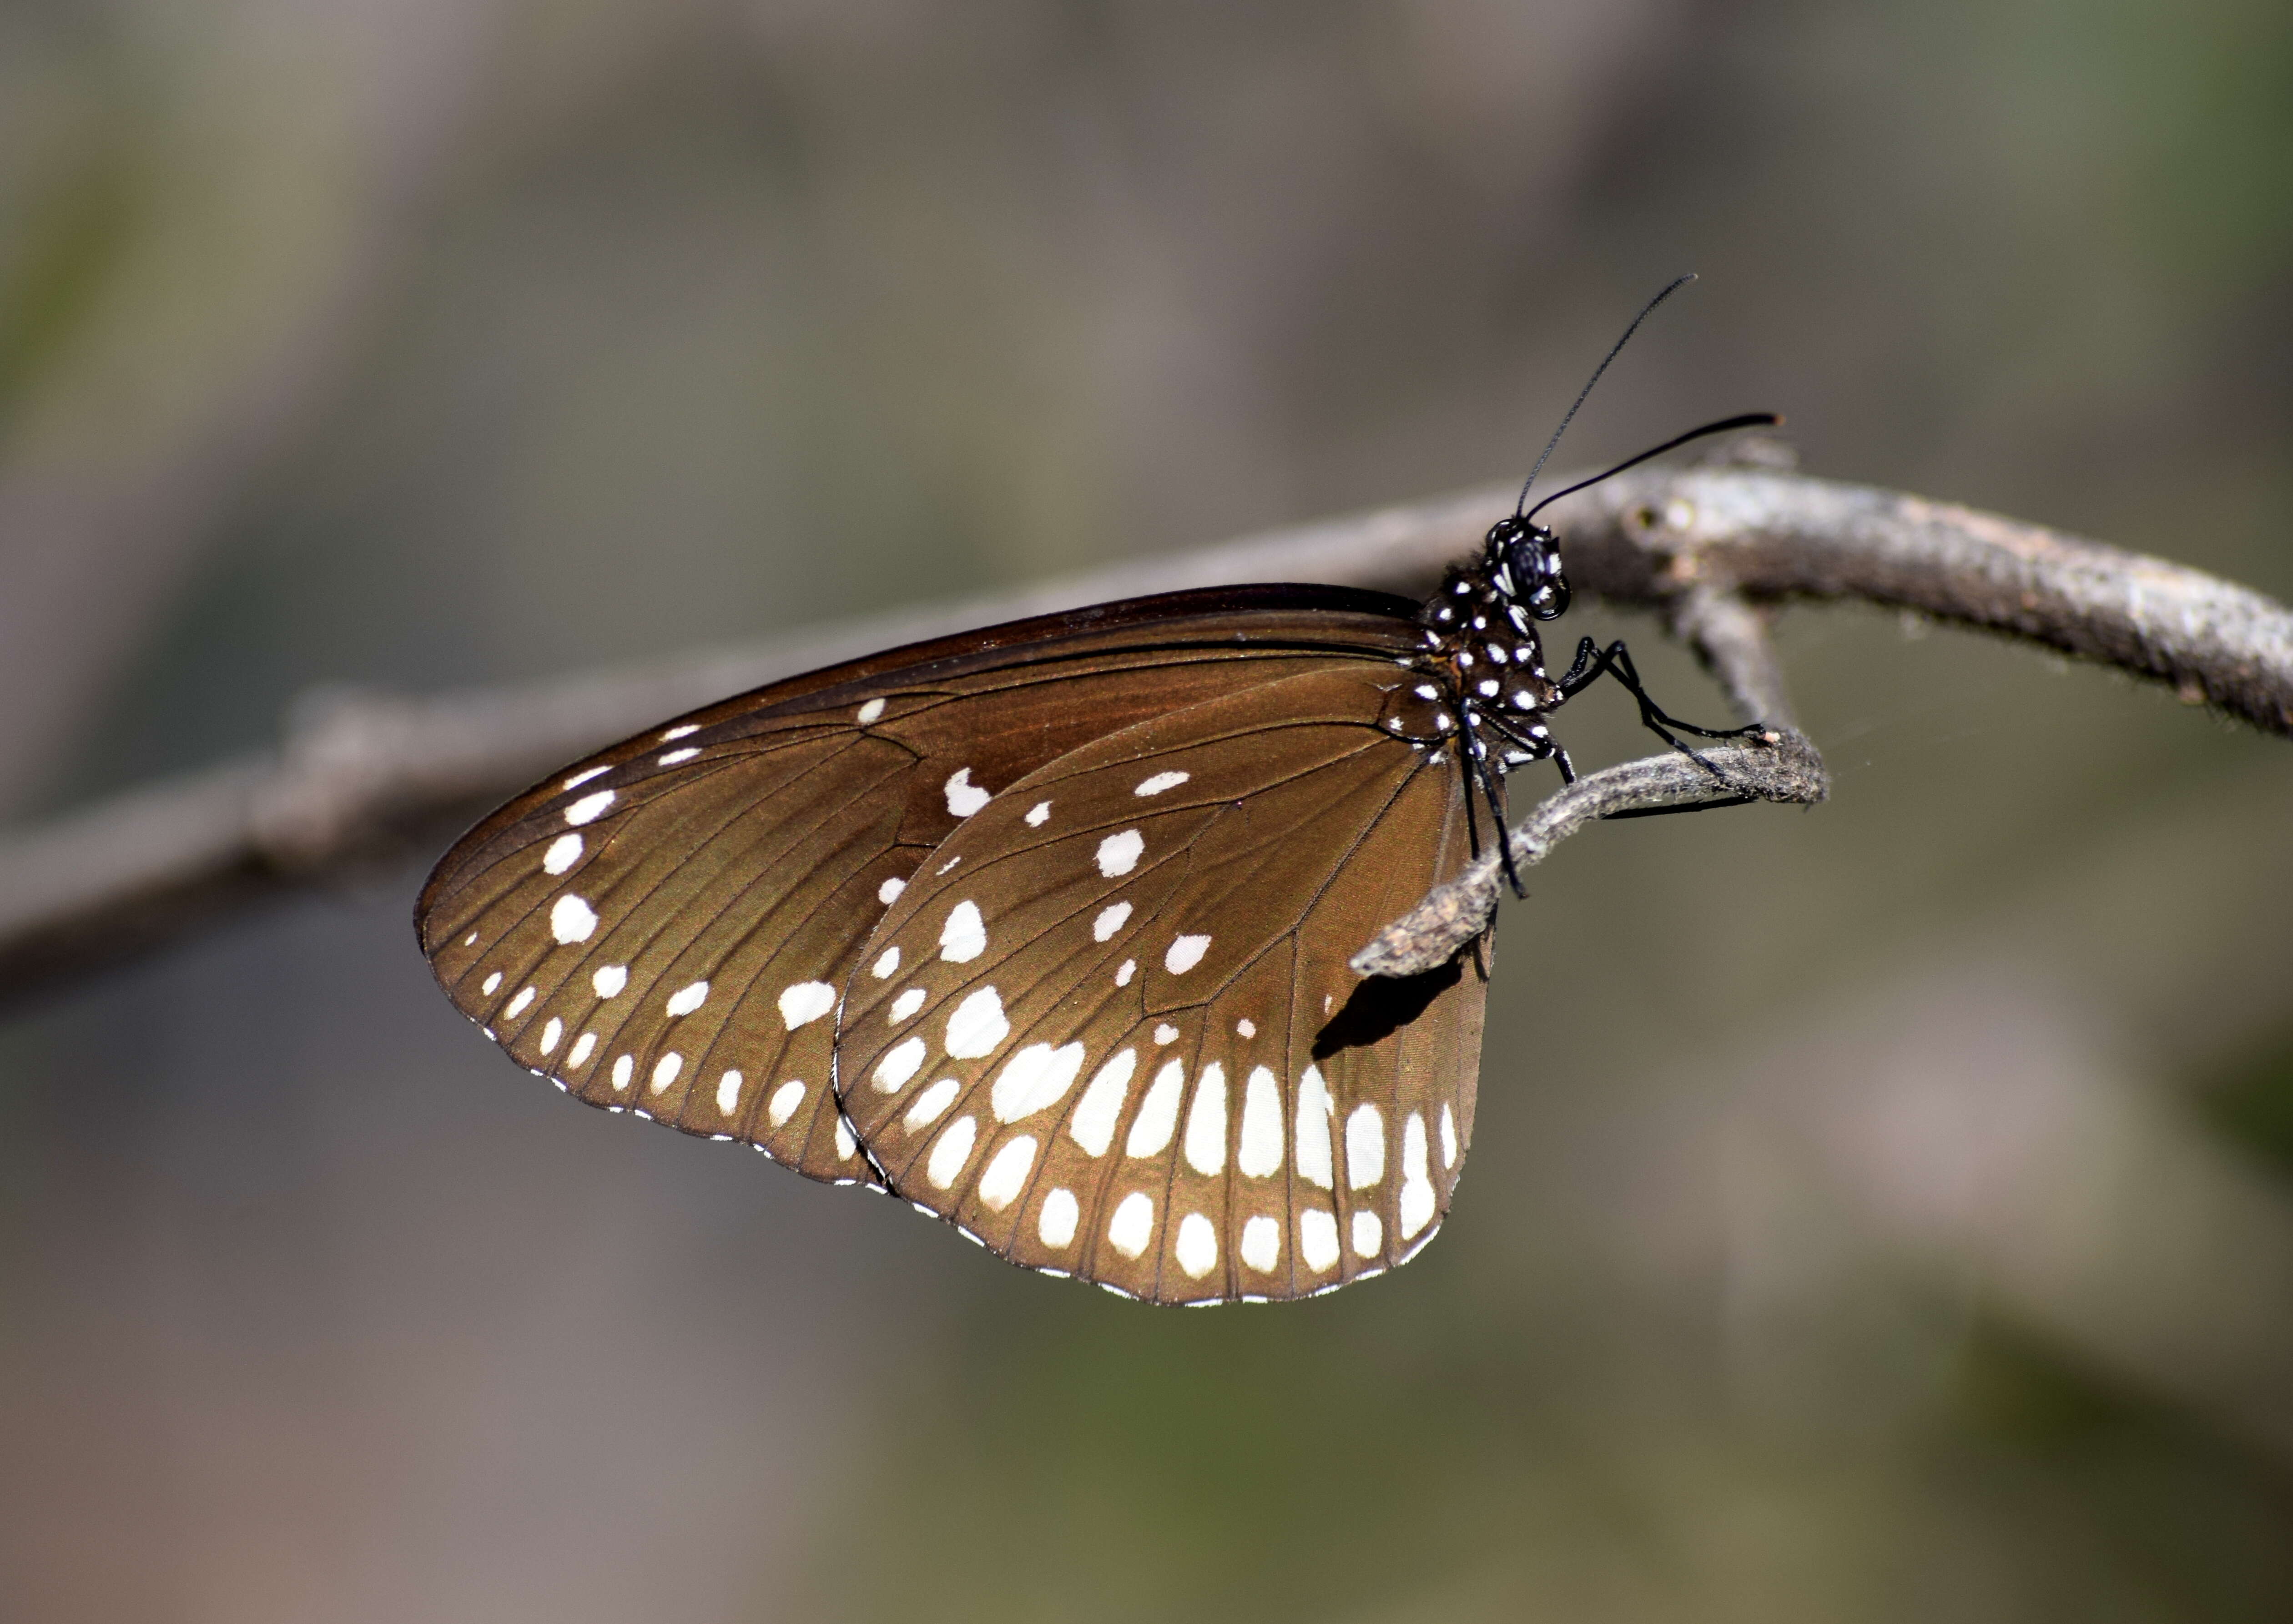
(1593, 662)
(1491, 790)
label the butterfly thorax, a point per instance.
(1481, 676)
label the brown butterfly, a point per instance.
(1045, 927)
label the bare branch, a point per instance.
(368, 775)
(1782, 767)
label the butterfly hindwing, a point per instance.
(665, 927)
(1109, 1029)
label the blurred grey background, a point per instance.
(1879, 1214)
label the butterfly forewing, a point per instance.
(665, 927)
(1109, 1029)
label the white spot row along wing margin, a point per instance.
(1114, 1072)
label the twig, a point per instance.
(1783, 767)
(366, 776)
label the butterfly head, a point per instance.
(1524, 562)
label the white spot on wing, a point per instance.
(894, 1070)
(907, 1003)
(889, 891)
(782, 1105)
(1132, 1225)
(1119, 853)
(564, 853)
(1416, 1207)
(1206, 1122)
(1365, 1147)
(1038, 814)
(977, 1026)
(1007, 1173)
(1158, 1113)
(578, 779)
(1055, 1223)
(686, 731)
(550, 1034)
(728, 1094)
(1318, 1239)
(1261, 1244)
(1124, 971)
(1092, 1125)
(687, 999)
(491, 984)
(1185, 953)
(1037, 1076)
(964, 937)
(845, 1143)
(1260, 1151)
(951, 1151)
(1313, 1160)
(610, 979)
(665, 1071)
(1449, 1136)
(1247, 1028)
(623, 1067)
(869, 711)
(886, 965)
(931, 1102)
(1368, 1233)
(964, 797)
(1161, 781)
(572, 920)
(1110, 919)
(518, 1004)
(806, 1003)
(671, 758)
(590, 808)
(582, 1046)
(1198, 1245)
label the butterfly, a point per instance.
(1044, 927)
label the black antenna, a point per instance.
(1671, 288)
(1748, 420)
